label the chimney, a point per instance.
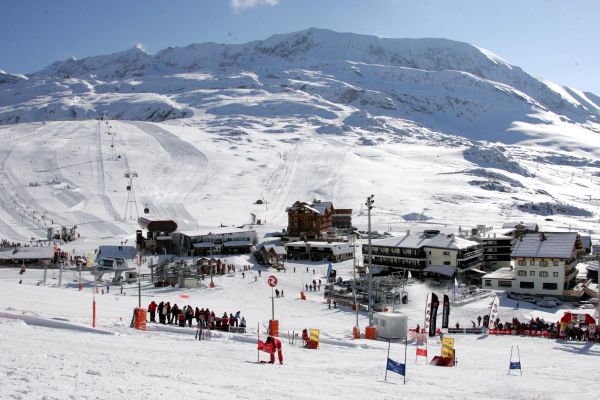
(407, 232)
(542, 236)
(494, 236)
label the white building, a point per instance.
(543, 264)
(427, 252)
(222, 240)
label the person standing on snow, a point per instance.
(152, 310)
(161, 311)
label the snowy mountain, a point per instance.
(442, 130)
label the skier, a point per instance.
(276, 343)
(281, 294)
(243, 323)
(479, 320)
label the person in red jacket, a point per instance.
(309, 344)
(276, 348)
(225, 322)
(152, 310)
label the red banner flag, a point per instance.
(421, 352)
(266, 347)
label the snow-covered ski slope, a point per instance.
(442, 132)
(45, 351)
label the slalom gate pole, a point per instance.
(405, 361)
(387, 358)
(94, 313)
(520, 365)
(510, 360)
(257, 349)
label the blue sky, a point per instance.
(555, 40)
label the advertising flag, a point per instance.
(314, 336)
(446, 312)
(396, 367)
(421, 352)
(447, 347)
(435, 303)
(494, 311)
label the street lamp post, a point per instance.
(369, 205)
(212, 284)
(352, 240)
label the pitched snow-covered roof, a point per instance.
(318, 207)
(124, 252)
(502, 273)
(546, 244)
(27, 253)
(279, 250)
(531, 226)
(586, 241)
(322, 206)
(214, 231)
(417, 241)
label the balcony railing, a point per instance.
(470, 254)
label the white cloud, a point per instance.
(241, 5)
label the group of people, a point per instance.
(205, 318)
(278, 293)
(571, 332)
(314, 286)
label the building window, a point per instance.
(555, 274)
(526, 285)
(531, 273)
(543, 274)
(531, 262)
(544, 263)
(447, 262)
(522, 273)
(506, 284)
(555, 263)
(550, 286)
(521, 262)
(446, 253)
(488, 282)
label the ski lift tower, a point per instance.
(131, 203)
(112, 154)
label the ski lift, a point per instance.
(146, 209)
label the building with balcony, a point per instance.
(428, 253)
(222, 240)
(319, 251)
(544, 263)
(309, 221)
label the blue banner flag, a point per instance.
(515, 365)
(396, 367)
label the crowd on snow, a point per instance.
(572, 332)
(6, 243)
(205, 318)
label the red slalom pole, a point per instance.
(94, 313)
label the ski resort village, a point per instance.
(311, 215)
